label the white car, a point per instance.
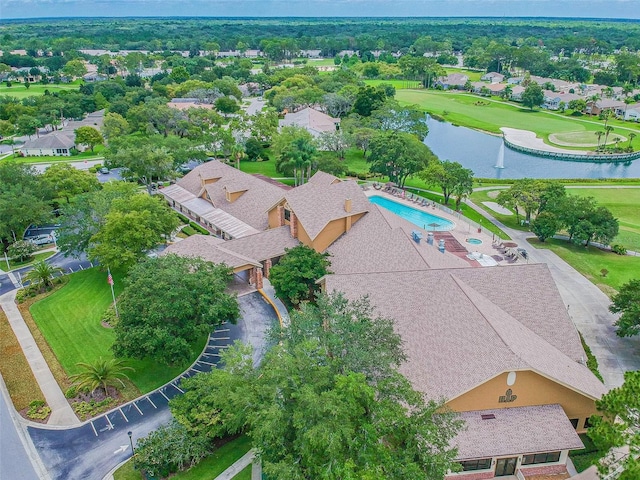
(41, 239)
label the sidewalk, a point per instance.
(238, 466)
(61, 411)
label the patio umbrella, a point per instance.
(434, 225)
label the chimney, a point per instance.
(293, 225)
(347, 205)
(280, 213)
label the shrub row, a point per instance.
(198, 228)
(182, 218)
(188, 231)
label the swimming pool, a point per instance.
(417, 217)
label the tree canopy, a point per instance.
(451, 177)
(168, 303)
(327, 401)
(294, 276)
(627, 302)
(398, 155)
(132, 227)
(619, 426)
(66, 181)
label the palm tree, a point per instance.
(616, 141)
(42, 273)
(631, 137)
(608, 129)
(101, 374)
(237, 152)
(599, 134)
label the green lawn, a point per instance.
(88, 155)
(398, 84)
(36, 257)
(589, 455)
(624, 203)
(590, 261)
(18, 90)
(489, 115)
(473, 75)
(244, 474)
(207, 469)
(322, 62)
(70, 321)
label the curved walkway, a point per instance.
(588, 307)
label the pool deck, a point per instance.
(461, 231)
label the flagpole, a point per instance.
(110, 280)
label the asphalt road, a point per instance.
(10, 281)
(93, 449)
(14, 460)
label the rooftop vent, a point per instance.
(488, 416)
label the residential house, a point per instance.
(55, 144)
(188, 102)
(311, 53)
(312, 120)
(492, 77)
(515, 80)
(596, 107)
(629, 112)
(455, 81)
(516, 93)
(94, 77)
(553, 100)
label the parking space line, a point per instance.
(151, 402)
(177, 388)
(222, 330)
(138, 408)
(207, 363)
(162, 393)
(220, 338)
(109, 422)
(94, 428)
(125, 417)
(195, 369)
(211, 354)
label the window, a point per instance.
(574, 422)
(287, 214)
(549, 457)
(480, 464)
(587, 422)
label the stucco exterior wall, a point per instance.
(530, 389)
(332, 231)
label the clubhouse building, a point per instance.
(496, 344)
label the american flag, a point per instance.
(109, 279)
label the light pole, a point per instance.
(133, 452)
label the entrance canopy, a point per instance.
(515, 431)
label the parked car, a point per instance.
(104, 170)
(41, 239)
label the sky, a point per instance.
(626, 9)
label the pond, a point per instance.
(480, 151)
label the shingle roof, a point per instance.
(264, 245)
(456, 336)
(316, 204)
(313, 120)
(64, 140)
(516, 431)
(207, 248)
(322, 178)
(380, 244)
(252, 205)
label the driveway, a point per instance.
(588, 307)
(93, 449)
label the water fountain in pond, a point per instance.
(500, 162)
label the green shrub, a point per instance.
(71, 392)
(187, 230)
(109, 316)
(95, 168)
(198, 228)
(619, 250)
(92, 408)
(592, 361)
(38, 410)
(182, 218)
